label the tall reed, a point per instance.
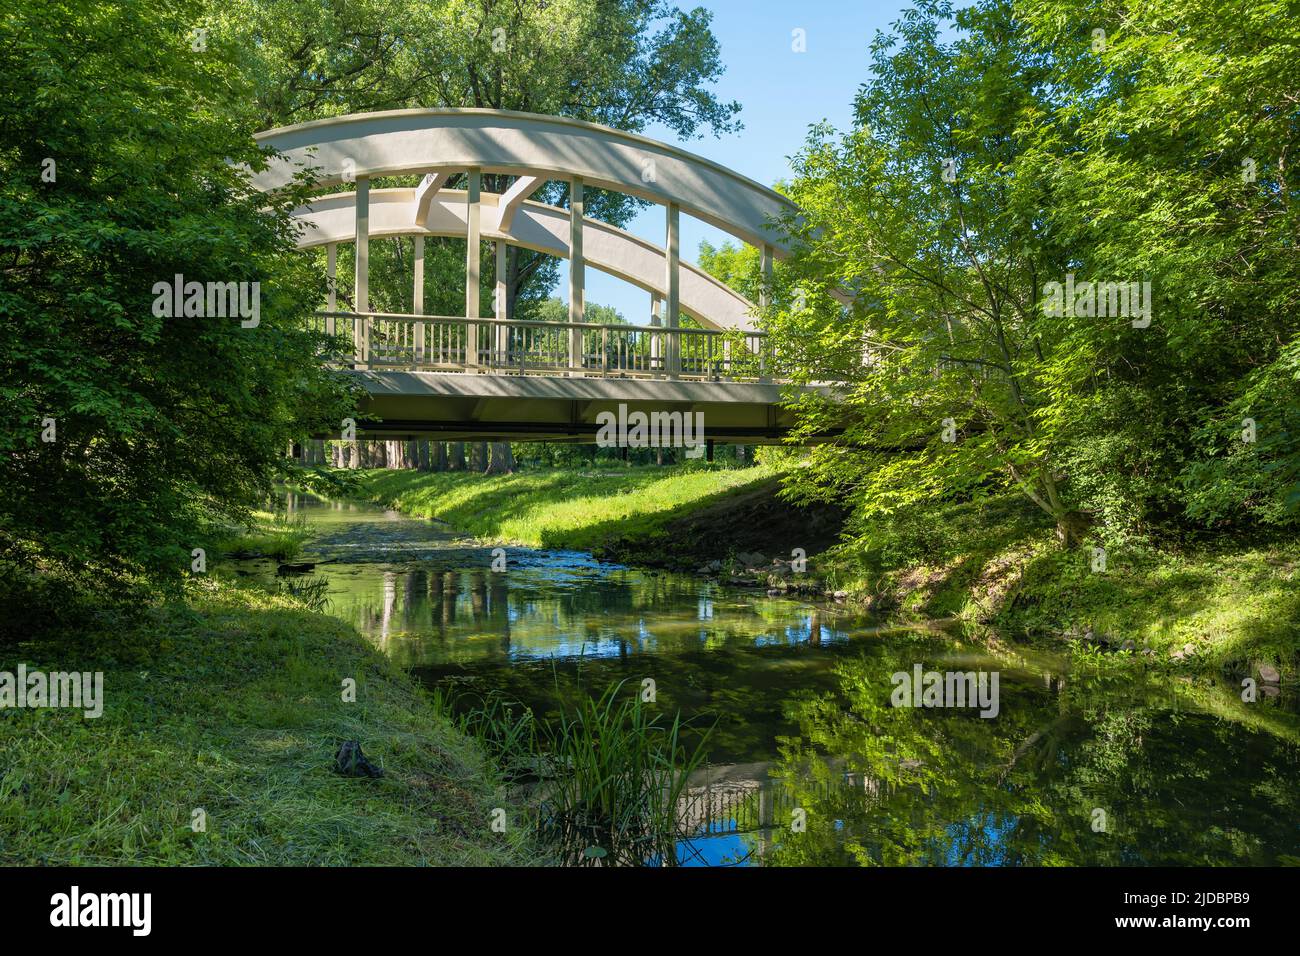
(607, 776)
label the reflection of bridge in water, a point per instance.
(742, 799)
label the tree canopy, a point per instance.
(129, 424)
(1005, 155)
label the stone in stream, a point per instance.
(350, 761)
(1268, 674)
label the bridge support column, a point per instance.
(656, 340)
(332, 296)
(501, 307)
(361, 325)
(472, 233)
(765, 291)
(764, 300)
(417, 299)
(672, 285)
(577, 277)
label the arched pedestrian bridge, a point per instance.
(477, 376)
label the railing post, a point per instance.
(604, 350)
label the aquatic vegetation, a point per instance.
(608, 775)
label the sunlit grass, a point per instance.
(269, 536)
(569, 508)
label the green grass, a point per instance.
(558, 508)
(1234, 605)
(269, 535)
(996, 561)
(231, 701)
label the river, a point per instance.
(810, 760)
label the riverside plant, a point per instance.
(312, 592)
(610, 775)
(621, 775)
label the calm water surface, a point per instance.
(1076, 768)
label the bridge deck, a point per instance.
(460, 378)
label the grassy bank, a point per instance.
(230, 701)
(561, 507)
(1220, 604)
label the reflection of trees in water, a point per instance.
(422, 614)
(1177, 786)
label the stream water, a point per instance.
(810, 760)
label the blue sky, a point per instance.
(781, 94)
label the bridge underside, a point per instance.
(468, 406)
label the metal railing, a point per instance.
(382, 340)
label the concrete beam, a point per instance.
(424, 194)
(514, 197)
(399, 142)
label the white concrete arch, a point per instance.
(537, 226)
(366, 145)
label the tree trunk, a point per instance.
(440, 456)
(501, 459)
(456, 456)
